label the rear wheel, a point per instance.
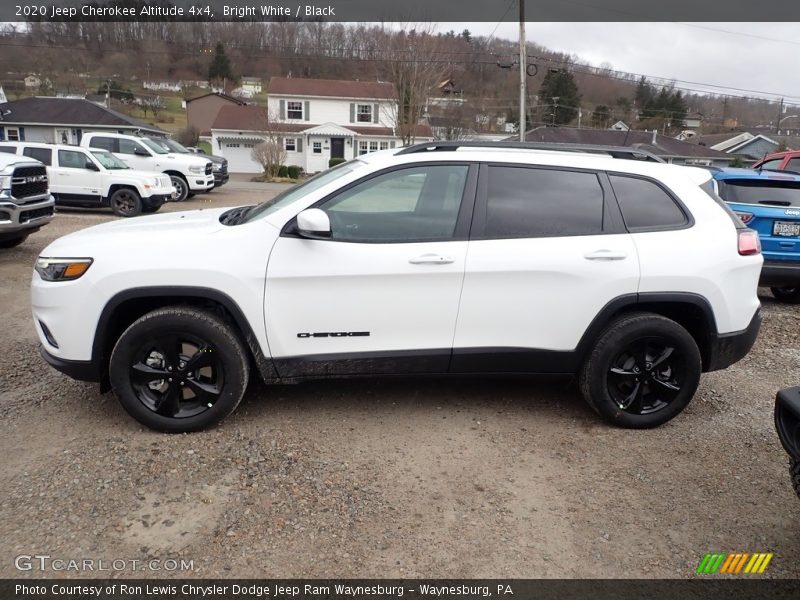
(125, 203)
(13, 242)
(179, 369)
(790, 295)
(643, 371)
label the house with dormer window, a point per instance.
(318, 120)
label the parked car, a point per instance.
(769, 203)
(189, 174)
(440, 258)
(780, 161)
(219, 163)
(96, 178)
(787, 423)
(25, 201)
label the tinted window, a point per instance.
(793, 165)
(106, 143)
(773, 164)
(8, 150)
(419, 203)
(130, 147)
(754, 191)
(645, 204)
(525, 202)
(44, 155)
(72, 159)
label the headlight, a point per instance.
(217, 167)
(4, 182)
(199, 169)
(62, 269)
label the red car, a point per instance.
(780, 161)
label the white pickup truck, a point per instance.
(25, 201)
(96, 178)
(190, 174)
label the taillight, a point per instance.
(749, 242)
(745, 217)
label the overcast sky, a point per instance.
(752, 56)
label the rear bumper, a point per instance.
(787, 420)
(728, 348)
(76, 369)
(780, 273)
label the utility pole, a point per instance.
(523, 71)
(778, 122)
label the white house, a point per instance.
(251, 85)
(317, 120)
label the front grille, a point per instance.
(27, 182)
(30, 215)
(208, 168)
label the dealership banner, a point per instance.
(399, 11)
(360, 589)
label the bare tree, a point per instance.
(415, 69)
(270, 153)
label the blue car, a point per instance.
(769, 202)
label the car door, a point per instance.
(381, 294)
(548, 252)
(135, 155)
(73, 180)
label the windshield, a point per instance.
(295, 193)
(769, 192)
(108, 160)
(157, 148)
(172, 146)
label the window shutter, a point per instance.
(299, 147)
(21, 134)
(375, 108)
(2, 134)
(78, 136)
(392, 144)
(282, 109)
(306, 112)
(352, 113)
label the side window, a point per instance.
(72, 159)
(645, 204)
(406, 205)
(129, 146)
(793, 165)
(8, 150)
(774, 164)
(106, 143)
(525, 202)
(43, 155)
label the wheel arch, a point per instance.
(122, 186)
(173, 172)
(692, 311)
(127, 306)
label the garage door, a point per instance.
(239, 159)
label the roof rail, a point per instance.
(624, 152)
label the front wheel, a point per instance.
(789, 295)
(643, 371)
(181, 187)
(795, 471)
(179, 369)
(125, 203)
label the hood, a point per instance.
(178, 231)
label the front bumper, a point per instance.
(16, 218)
(220, 178)
(156, 200)
(200, 183)
(76, 369)
(728, 348)
(780, 273)
(787, 420)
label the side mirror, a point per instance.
(91, 166)
(314, 223)
(141, 152)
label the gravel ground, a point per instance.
(406, 478)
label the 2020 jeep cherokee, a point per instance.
(438, 258)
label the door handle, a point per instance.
(431, 259)
(605, 255)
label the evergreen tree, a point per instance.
(559, 93)
(220, 67)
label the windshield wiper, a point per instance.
(235, 215)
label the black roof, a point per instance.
(67, 111)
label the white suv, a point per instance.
(435, 259)
(190, 174)
(92, 178)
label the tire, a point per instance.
(182, 186)
(789, 295)
(13, 242)
(173, 352)
(795, 471)
(642, 371)
(152, 209)
(125, 202)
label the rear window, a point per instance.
(8, 150)
(43, 155)
(645, 205)
(105, 143)
(761, 192)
